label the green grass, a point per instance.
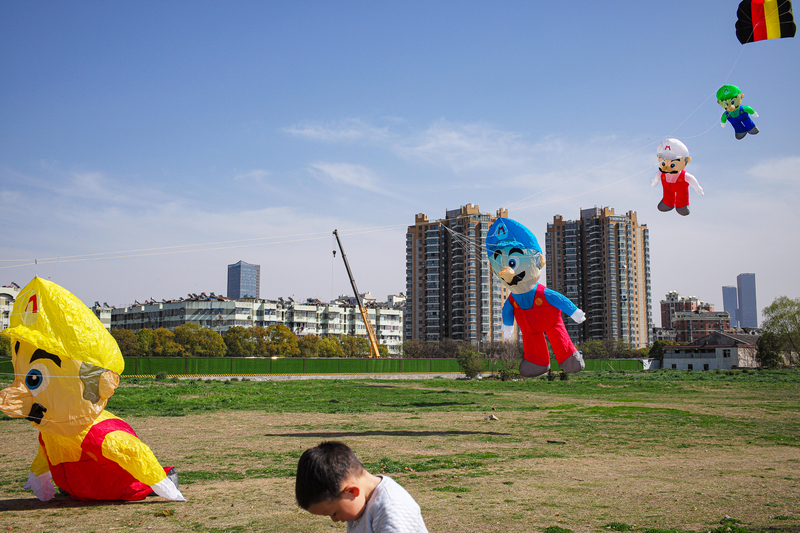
(146, 397)
(594, 413)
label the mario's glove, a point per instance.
(508, 331)
(41, 485)
(721, 124)
(754, 114)
(167, 489)
(578, 316)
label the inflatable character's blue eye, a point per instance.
(34, 379)
(512, 263)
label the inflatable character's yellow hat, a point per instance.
(56, 321)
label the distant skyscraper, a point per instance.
(244, 280)
(601, 262)
(730, 304)
(748, 309)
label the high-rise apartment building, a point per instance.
(450, 290)
(244, 280)
(730, 304)
(748, 309)
(601, 262)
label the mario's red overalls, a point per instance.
(540, 320)
(675, 194)
(95, 476)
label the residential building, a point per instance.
(692, 325)
(8, 293)
(690, 318)
(676, 303)
(244, 280)
(103, 313)
(748, 308)
(730, 304)
(717, 350)
(219, 313)
(450, 290)
(395, 300)
(663, 334)
(601, 262)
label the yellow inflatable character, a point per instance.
(66, 367)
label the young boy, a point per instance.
(331, 481)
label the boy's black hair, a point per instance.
(321, 472)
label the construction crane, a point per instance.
(373, 340)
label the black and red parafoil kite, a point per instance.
(764, 19)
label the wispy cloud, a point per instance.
(347, 130)
(782, 171)
(347, 174)
(254, 175)
(466, 147)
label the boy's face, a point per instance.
(349, 506)
(673, 165)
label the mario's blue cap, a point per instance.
(504, 233)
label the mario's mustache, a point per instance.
(37, 413)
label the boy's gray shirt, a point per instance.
(390, 509)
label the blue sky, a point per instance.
(145, 146)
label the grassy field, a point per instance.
(649, 451)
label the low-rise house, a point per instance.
(717, 350)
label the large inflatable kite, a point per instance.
(67, 366)
(673, 156)
(730, 98)
(517, 259)
(764, 19)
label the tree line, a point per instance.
(192, 340)
(779, 344)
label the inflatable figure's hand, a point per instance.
(754, 114)
(167, 489)
(41, 485)
(578, 316)
(722, 124)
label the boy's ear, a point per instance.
(351, 492)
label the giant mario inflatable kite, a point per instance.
(517, 259)
(66, 367)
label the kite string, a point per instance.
(167, 250)
(634, 151)
(593, 190)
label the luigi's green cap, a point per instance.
(726, 92)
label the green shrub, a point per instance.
(472, 363)
(507, 374)
(161, 376)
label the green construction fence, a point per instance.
(224, 366)
(233, 366)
